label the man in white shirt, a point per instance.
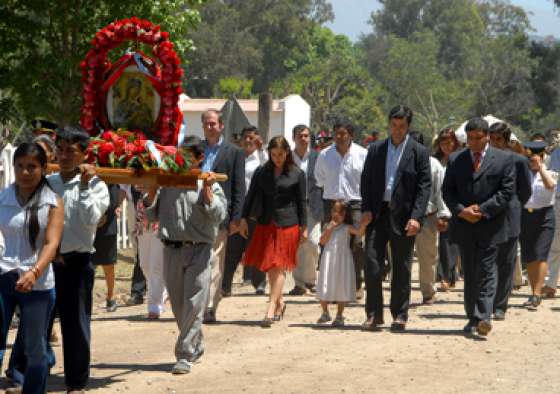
(437, 217)
(338, 172)
(86, 199)
(308, 252)
(255, 156)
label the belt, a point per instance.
(180, 244)
(531, 210)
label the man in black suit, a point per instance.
(395, 188)
(478, 184)
(500, 135)
(222, 157)
(308, 252)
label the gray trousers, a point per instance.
(187, 277)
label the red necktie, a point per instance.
(477, 160)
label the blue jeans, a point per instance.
(36, 308)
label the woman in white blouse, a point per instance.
(537, 222)
(31, 223)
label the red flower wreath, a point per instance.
(96, 65)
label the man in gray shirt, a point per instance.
(188, 225)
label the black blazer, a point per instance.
(491, 187)
(231, 161)
(521, 193)
(411, 191)
(281, 199)
(315, 193)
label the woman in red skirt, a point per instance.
(276, 199)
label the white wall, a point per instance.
(294, 111)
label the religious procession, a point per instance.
(251, 228)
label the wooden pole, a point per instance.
(265, 112)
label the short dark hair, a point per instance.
(298, 129)
(502, 129)
(477, 124)
(249, 129)
(538, 136)
(212, 111)
(73, 135)
(193, 144)
(401, 112)
(417, 136)
(348, 126)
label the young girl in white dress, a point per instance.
(337, 277)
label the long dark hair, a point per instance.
(446, 133)
(36, 151)
(280, 143)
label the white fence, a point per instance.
(7, 177)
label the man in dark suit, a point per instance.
(500, 135)
(395, 188)
(478, 184)
(222, 157)
(308, 251)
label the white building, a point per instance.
(286, 113)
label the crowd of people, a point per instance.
(338, 215)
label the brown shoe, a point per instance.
(483, 328)
(444, 286)
(548, 292)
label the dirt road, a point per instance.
(132, 355)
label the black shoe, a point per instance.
(533, 303)
(470, 328)
(297, 291)
(226, 293)
(260, 292)
(499, 315)
(135, 299)
(209, 317)
(398, 325)
(111, 305)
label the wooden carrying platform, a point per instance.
(153, 177)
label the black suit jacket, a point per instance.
(281, 199)
(230, 160)
(491, 188)
(411, 190)
(521, 194)
(315, 193)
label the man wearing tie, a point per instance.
(478, 185)
(396, 211)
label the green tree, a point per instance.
(335, 85)
(43, 41)
(262, 40)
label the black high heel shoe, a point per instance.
(281, 315)
(267, 322)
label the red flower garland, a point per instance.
(96, 65)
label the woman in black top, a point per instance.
(276, 199)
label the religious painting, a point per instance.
(133, 103)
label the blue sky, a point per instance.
(351, 16)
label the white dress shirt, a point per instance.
(340, 176)
(435, 203)
(301, 162)
(83, 208)
(541, 197)
(252, 162)
(394, 155)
